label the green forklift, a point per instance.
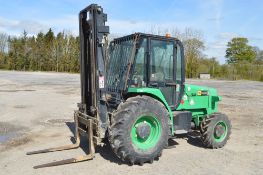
(134, 96)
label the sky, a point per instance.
(218, 20)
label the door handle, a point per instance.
(153, 84)
(170, 84)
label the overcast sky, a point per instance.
(219, 20)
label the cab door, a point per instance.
(162, 69)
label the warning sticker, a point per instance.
(101, 82)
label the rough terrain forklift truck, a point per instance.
(133, 94)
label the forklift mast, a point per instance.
(93, 34)
(92, 113)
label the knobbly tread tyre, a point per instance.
(207, 130)
(122, 122)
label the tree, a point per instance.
(209, 65)
(44, 52)
(193, 44)
(3, 42)
(238, 50)
(193, 53)
(49, 51)
(259, 53)
(3, 49)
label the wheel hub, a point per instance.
(146, 132)
(219, 131)
(143, 130)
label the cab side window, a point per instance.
(161, 63)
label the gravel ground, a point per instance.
(37, 112)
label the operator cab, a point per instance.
(144, 60)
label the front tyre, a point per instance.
(215, 130)
(140, 130)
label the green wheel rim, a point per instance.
(223, 125)
(154, 135)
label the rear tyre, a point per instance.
(140, 130)
(215, 130)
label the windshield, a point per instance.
(120, 56)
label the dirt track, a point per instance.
(36, 111)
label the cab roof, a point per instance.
(144, 35)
